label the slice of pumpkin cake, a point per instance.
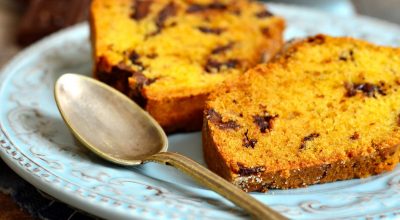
(325, 109)
(168, 55)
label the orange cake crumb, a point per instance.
(325, 109)
(168, 55)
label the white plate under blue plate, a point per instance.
(38, 146)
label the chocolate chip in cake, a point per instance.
(122, 67)
(264, 14)
(200, 8)
(237, 12)
(142, 80)
(208, 30)
(215, 118)
(119, 79)
(265, 121)
(138, 81)
(266, 32)
(168, 11)
(307, 138)
(217, 6)
(222, 48)
(318, 39)
(368, 89)
(228, 125)
(152, 55)
(134, 58)
(231, 63)
(355, 136)
(325, 168)
(213, 66)
(248, 142)
(349, 55)
(194, 8)
(141, 9)
(247, 171)
(398, 120)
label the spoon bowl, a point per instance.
(86, 105)
(115, 128)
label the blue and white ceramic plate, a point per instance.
(39, 147)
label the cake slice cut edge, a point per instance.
(168, 55)
(325, 109)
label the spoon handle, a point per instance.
(216, 183)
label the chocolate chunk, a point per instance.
(351, 53)
(368, 89)
(326, 168)
(264, 122)
(216, 65)
(222, 48)
(134, 58)
(228, 125)
(350, 91)
(215, 118)
(311, 137)
(264, 14)
(141, 80)
(168, 11)
(318, 39)
(141, 9)
(344, 57)
(195, 8)
(208, 30)
(200, 8)
(237, 12)
(398, 120)
(117, 77)
(231, 63)
(266, 32)
(217, 6)
(248, 142)
(307, 138)
(152, 55)
(355, 136)
(247, 171)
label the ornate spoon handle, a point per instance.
(216, 183)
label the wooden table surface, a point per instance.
(10, 211)
(9, 15)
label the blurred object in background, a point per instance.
(10, 11)
(338, 7)
(44, 17)
(384, 9)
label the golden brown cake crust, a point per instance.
(358, 167)
(254, 140)
(144, 65)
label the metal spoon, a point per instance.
(112, 126)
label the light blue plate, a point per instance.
(38, 146)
